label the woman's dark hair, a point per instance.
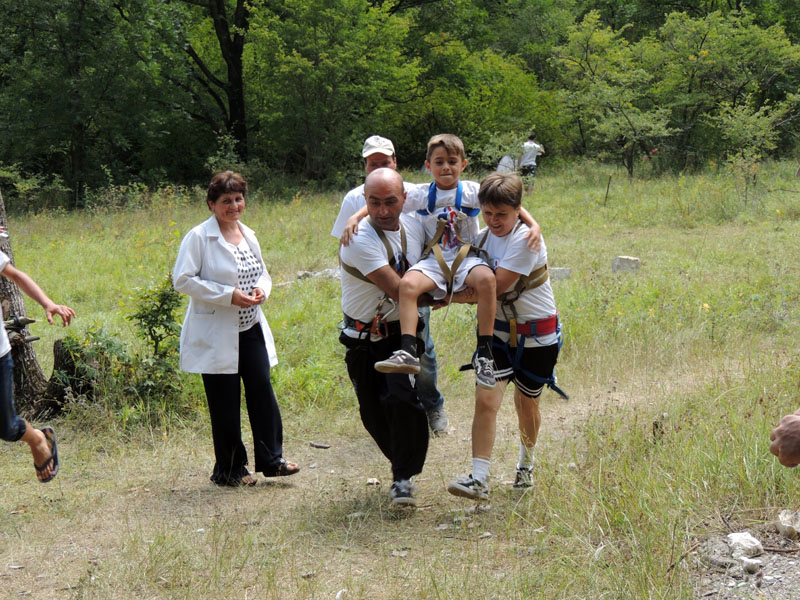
(223, 183)
(501, 188)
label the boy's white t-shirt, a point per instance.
(467, 227)
(511, 253)
(530, 150)
(366, 253)
(5, 345)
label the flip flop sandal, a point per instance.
(282, 469)
(50, 434)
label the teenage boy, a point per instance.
(526, 310)
(378, 153)
(372, 265)
(13, 428)
(449, 210)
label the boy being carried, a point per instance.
(449, 211)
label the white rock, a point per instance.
(356, 515)
(485, 535)
(341, 594)
(750, 565)
(744, 544)
(625, 263)
(373, 481)
(558, 273)
(788, 524)
(400, 553)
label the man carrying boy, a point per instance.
(526, 334)
(42, 442)
(448, 209)
(372, 265)
(378, 153)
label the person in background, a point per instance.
(527, 161)
(13, 428)
(378, 152)
(785, 440)
(225, 335)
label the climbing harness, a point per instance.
(519, 332)
(401, 266)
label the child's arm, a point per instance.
(351, 228)
(28, 285)
(534, 236)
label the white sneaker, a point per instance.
(484, 372)
(468, 487)
(399, 362)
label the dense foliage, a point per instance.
(102, 92)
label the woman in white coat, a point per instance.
(225, 335)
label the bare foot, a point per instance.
(41, 451)
(249, 480)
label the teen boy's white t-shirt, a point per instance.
(5, 345)
(511, 252)
(366, 253)
(467, 227)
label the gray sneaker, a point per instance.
(524, 478)
(484, 372)
(402, 493)
(437, 420)
(399, 362)
(467, 487)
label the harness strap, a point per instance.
(403, 266)
(470, 212)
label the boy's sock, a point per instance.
(409, 344)
(526, 457)
(485, 346)
(480, 470)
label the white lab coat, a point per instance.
(206, 271)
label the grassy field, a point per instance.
(704, 338)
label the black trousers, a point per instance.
(390, 409)
(223, 393)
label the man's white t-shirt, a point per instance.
(5, 345)
(353, 201)
(367, 253)
(530, 150)
(511, 253)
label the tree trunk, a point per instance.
(29, 380)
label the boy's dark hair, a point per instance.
(501, 188)
(448, 141)
(223, 183)
(532, 136)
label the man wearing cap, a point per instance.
(378, 152)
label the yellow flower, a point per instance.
(706, 307)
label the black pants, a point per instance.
(223, 393)
(390, 409)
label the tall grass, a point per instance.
(702, 339)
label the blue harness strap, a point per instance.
(470, 212)
(516, 360)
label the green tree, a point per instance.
(324, 76)
(609, 92)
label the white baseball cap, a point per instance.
(375, 144)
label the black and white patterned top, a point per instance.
(249, 272)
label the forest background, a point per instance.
(101, 93)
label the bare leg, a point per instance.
(482, 280)
(484, 422)
(412, 286)
(529, 416)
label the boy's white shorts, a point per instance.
(429, 267)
